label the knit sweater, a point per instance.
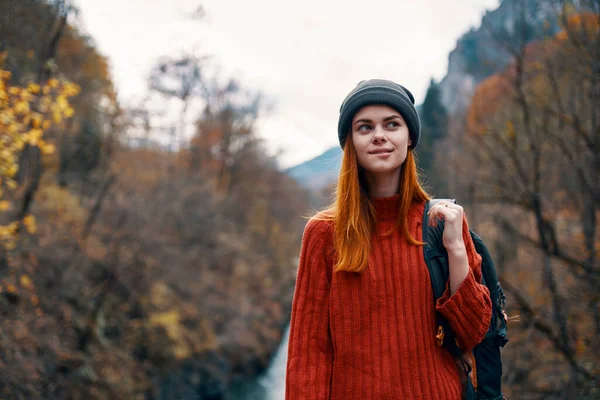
(371, 335)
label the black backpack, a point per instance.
(488, 364)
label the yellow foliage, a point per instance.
(56, 117)
(167, 319)
(29, 222)
(170, 322)
(36, 122)
(10, 288)
(21, 107)
(5, 232)
(34, 136)
(170, 316)
(34, 88)
(510, 129)
(160, 294)
(12, 170)
(26, 282)
(48, 149)
(61, 204)
(26, 113)
(69, 111)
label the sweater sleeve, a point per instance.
(469, 309)
(310, 350)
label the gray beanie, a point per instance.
(380, 91)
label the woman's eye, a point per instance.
(364, 127)
(393, 124)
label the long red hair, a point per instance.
(353, 213)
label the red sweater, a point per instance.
(372, 335)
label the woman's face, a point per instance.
(380, 137)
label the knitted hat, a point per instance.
(380, 91)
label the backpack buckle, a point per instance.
(440, 335)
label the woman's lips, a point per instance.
(383, 153)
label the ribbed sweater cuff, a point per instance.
(468, 311)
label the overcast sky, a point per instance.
(306, 55)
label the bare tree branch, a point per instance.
(543, 327)
(591, 270)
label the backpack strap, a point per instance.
(436, 259)
(434, 248)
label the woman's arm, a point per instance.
(466, 303)
(310, 351)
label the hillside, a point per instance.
(484, 51)
(318, 172)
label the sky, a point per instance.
(305, 56)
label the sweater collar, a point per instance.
(388, 207)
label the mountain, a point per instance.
(487, 50)
(320, 171)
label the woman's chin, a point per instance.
(382, 167)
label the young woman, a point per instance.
(363, 320)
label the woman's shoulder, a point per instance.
(319, 236)
(320, 225)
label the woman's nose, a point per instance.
(378, 136)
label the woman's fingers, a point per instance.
(446, 211)
(437, 213)
(452, 215)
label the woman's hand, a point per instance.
(453, 241)
(452, 215)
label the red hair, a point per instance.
(353, 214)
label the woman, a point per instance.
(363, 317)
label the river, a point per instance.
(270, 385)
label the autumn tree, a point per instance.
(225, 130)
(534, 134)
(26, 114)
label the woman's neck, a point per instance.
(383, 184)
